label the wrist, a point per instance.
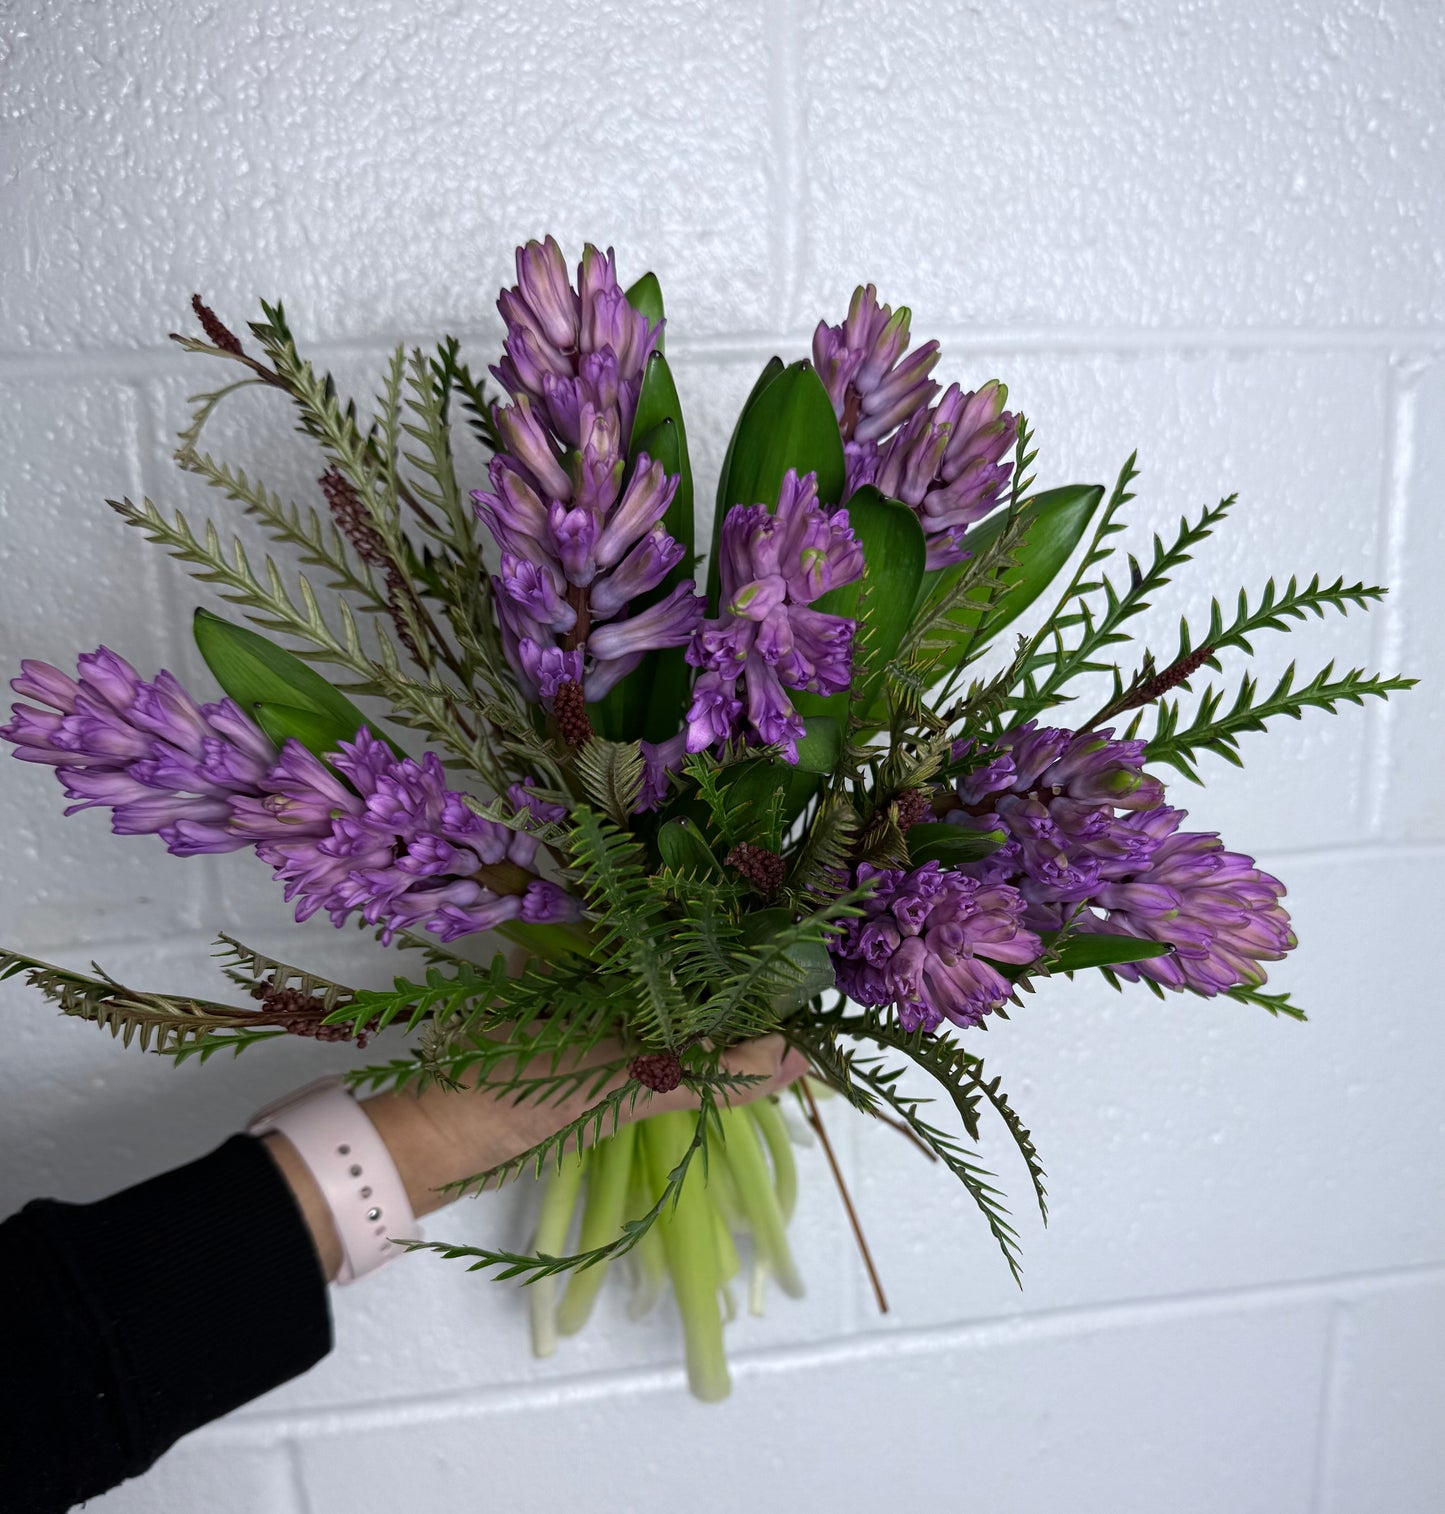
(338, 1165)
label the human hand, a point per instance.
(439, 1136)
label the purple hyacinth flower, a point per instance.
(159, 762)
(580, 531)
(948, 464)
(772, 565)
(872, 385)
(651, 559)
(926, 944)
(1056, 794)
(1216, 908)
(399, 847)
(366, 831)
(552, 331)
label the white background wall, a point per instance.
(1214, 230)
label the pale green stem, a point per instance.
(690, 1244)
(609, 1176)
(729, 1263)
(769, 1120)
(649, 1263)
(758, 1284)
(760, 1200)
(559, 1202)
(724, 1188)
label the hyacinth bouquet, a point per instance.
(609, 789)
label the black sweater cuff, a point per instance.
(149, 1313)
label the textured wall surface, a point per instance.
(1215, 230)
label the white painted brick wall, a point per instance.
(1214, 230)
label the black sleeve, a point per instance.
(127, 1323)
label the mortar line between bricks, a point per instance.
(1327, 1413)
(268, 1427)
(160, 360)
(1387, 638)
(300, 1497)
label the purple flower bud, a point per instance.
(712, 717)
(546, 667)
(759, 599)
(669, 623)
(643, 504)
(103, 786)
(546, 903)
(108, 677)
(597, 464)
(192, 838)
(860, 462)
(575, 534)
(860, 365)
(527, 443)
(644, 567)
(829, 557)
(906, 390)
(38, 680)
(542, 282)
(947, 464)
(144, 817)
(536, 589)
(608, 320)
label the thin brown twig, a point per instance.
(810, 1109)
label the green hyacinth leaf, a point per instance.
(821, 746)
(645, 297)
(283, 723)
(771, 369)
(882, 600)
(1056, 522)
(753, 787)
(788, 422)
(1087, 949)
(951, 845)
(658, 404)
(255, 672)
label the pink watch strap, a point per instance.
(354, 1170)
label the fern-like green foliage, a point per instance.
(870, 1084)
(256, 972)
(156, 1022)
(611, 774)
(1215, 729)
(1274, 610)
(1091, 616)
